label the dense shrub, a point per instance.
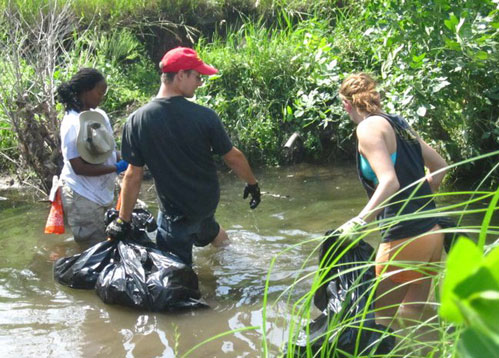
(436, 61)
(273, 82)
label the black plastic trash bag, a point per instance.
(82, 270)
(342, 299)
(150, 279)
(132, 272)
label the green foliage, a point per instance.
(273, 82)
(119, 55)
(470, 296)
(436, 61)
(438, 67)
(193, 12)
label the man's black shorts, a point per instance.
(178, 236)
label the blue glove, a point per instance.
(121, 166)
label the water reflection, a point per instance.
(39, 317)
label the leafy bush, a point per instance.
(435, 61)
(438, 64)
(273, 82)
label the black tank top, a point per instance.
(409, 167)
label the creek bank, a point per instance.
(9, 182)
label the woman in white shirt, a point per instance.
(88, 175)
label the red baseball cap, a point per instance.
(184, 58)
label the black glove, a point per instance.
(254, 191)
(118, 229)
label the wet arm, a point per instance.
(130, 189)
(236, 160)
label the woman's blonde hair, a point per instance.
(360, 89)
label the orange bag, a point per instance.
(55, 221)
(118, 203)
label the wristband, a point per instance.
(359, 220)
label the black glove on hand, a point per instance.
(254, 191)
(118, 229)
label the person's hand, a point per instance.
(350, 231)
(118, 229)
(121, 166)
(254, 191)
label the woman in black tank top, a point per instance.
(398, 157)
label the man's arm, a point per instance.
(236, 160)
(130, 191)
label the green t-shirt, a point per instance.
(176, 139)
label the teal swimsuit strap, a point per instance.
(367, 171)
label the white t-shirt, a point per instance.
(99, 189)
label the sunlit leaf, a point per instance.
(407, 100)
(486, 304)
(453, 45)
(440, 85)
(452, 22)
(473, 344)
(479, 281)
(481, 55)
(421, 111)
(369, 31)
(464, 259)
(419, 58)
(491, 261)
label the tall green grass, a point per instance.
(274, 80)
(428, 336)
(194, 12)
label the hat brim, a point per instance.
(92, 158)
(205, 69)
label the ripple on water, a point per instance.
(33, 329)
(238, 272)
(13, 283)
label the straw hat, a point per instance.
(95, 143)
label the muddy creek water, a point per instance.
(41, 318)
